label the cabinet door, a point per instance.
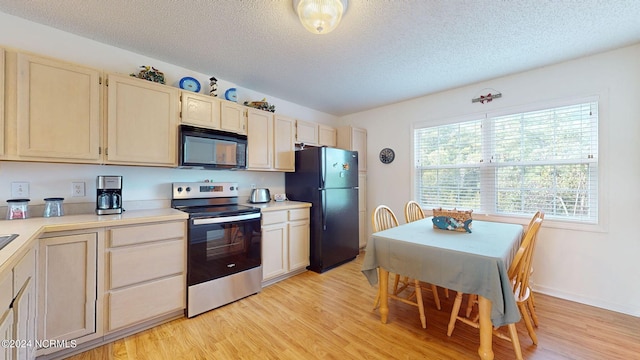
(232, 117)
(326, 136)
(200, 110)
(58, 111)
(298, 244)
(24, 314)
(274, 247)
(6, 333)
(141, 122)
(360, 145)
(67, 287)
(362, 209)
(260, 139)
(2, 101)
(306, 132)
(284, 143)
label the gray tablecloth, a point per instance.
(474, 263)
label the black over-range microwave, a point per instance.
(211, 149)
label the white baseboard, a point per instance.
(624, 309)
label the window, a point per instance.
(513, 164)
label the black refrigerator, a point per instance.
(328, 179)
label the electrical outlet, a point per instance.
(20, 189)
(78, 189)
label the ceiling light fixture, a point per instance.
(320, 16)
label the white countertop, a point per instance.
(281, 205)
(30, 229)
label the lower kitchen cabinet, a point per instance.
(18, 310)
(146, 267)
(6, 314)
(285, 243)
(6, 333)
(68, 290)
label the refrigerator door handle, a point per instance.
(324, 210)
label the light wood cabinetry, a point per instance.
(327, 136)
(306, 132)
(284, 143)
(58, 110)
(18, 309)
(270, 141)
(6, 314)
(142, 119)
(200, 110)
(69, 294)
(146, 267)
(24, 305)
(285, 243)
(363, 220)
(355, 139)
(260, 139)
(274, 244)
(2, 101)
(298, 238)
(6, 333)
(232, 117)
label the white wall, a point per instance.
(597, 266)
(140, 183)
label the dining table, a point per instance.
(471, 263)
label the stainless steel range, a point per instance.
(224, 245)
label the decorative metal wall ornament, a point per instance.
(492, 94)
(213, 83)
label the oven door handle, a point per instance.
(225, 219)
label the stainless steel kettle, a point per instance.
(259, 196)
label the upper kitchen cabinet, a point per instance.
(232, 117)
(327, 136)
(142, 119)
(354, 139)
(260, 140)
(57, 111)
(200, 110)
(284, 143)
(306, 132)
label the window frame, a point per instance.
(601, 222)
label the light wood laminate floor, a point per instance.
(329, 316)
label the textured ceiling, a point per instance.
(383, 51)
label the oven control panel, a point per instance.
(195, 190)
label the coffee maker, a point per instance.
(108, 195)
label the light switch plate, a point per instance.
(20, 189)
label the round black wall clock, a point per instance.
(387, 155)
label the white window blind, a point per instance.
(513, 164)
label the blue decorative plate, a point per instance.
(189, 83)
(231, 95)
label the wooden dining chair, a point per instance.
(531, 304)
(518, 272)
(383, 218)
(532, 300)
(413, 212)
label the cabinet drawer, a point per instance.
(24, 270)
(140, 263)
(274, 217)
(298, 214)
(139, 303)
(145, 233)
